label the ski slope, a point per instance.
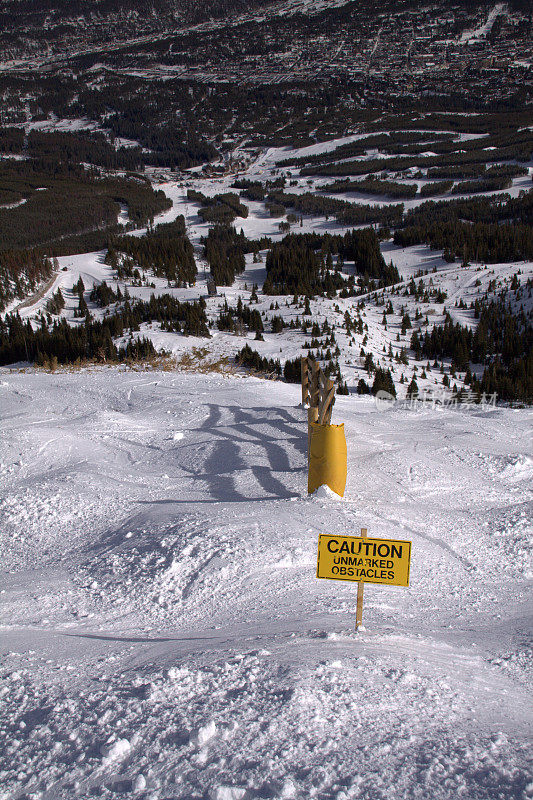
(484, 30)
(163, 632)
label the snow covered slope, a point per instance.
(163, 632)
(484, 29)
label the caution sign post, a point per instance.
(361, 559)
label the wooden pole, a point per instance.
(305, 380)
(360, 588)
(312, 416)
(326, 402)
(314, 398)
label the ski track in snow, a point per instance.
(163, 632)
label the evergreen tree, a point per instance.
(412, 389)
(383, 382)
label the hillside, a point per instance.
(193, 197)
(354, 313)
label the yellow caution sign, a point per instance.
(357, 558)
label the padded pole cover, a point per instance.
(327, 458)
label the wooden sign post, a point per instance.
(312, 416)
(326, 399)
(360, 590)
(318, 392)
(305, 381)
(314, 383)
(361, 559)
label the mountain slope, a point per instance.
(163, 629)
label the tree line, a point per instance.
(303, 264)
(495, 209)
(386, 142)
(490, 243)
(93, 339)
(225, 250)
(70, 201)
(11, 140)
(221, 208)
(21, 271)
(251, 359)
(519, 147)
(239, 317)
(502, 341)
(490, 229)
(65, 344)
(373, 185)
(166, 251)
(83, 148)
(345, 213)
(465, 171)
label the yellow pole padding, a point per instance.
(327, 458)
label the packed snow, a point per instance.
(163, 631)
